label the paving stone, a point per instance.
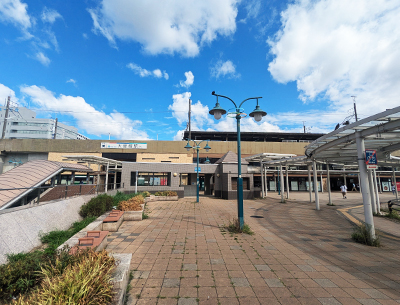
(329, 301)
(325, 283)
(262, 267)
(187, 301)
(218, 261)
(274, 283)
(171, 283)
(189, 266)
(149, 240)
(240, 282)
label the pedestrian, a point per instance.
(394, 189)
(343, 188)
(354, 189)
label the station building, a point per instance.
(167, 165)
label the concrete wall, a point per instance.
(20, 227)
(159, 147)
(172, 168)
(167, 158)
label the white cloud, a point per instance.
(44, 60)
(50, 15)
(202, 120)
(6, 92)
(339, 48)
(224, 69)
(71, 80)
(88, 118)
(14, 11)
(145, 73)
(170, 26)
(189, 80)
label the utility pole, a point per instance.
(190, 112)
(55, 129)
(355, 108)
(304, 126)
(5, 118)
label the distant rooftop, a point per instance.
(253, 136)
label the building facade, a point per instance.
(22, 123)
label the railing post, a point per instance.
(66, 191)
(38, 197)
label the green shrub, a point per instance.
(21, 272)
(166, 193)
(85, 281)
(361, 234)
(234, 227)
(56, 238)
(97, 206)
(146, 194)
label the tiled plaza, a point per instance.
(183, 255)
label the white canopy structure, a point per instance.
(346, 147)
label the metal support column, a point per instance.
(266, 181)
(282, 184)
(394, 182)
(378, 203)
(322, 183)
(287, 182)
(372, 190)
(262, 178)
(106, 182)
(315, 176)
(359, 183)
(379, 183)
(276, 186)
(369, 220)
(328, 184)
(115, 177)
(309, 181)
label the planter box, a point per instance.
(166, 198)
(133, 215)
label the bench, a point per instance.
(96, 240)
(394, 204)
(113, 221)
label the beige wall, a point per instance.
(168, 158)
(218, 148)
(56, 156)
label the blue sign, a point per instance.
(370, 157)
(197, 169)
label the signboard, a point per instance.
(197, 169)
(386, 186)
(370, 159)
(120, 145)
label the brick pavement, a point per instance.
(182, 255)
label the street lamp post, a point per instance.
(257, 113)
(197, 147)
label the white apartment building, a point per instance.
(23, 124)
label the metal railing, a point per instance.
(51, 192)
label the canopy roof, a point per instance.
(89, 159)
(380, 132)
(22, 180)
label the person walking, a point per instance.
(354, 189)
(394, 189)
(343, 189)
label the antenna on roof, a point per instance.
(355, 108)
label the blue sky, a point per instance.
(128, 68)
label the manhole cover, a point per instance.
(255, 216)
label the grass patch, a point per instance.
(56, 238)
(87, 281)
(234, 227)
(361, 234)
(145, 215)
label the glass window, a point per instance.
(151, 179)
